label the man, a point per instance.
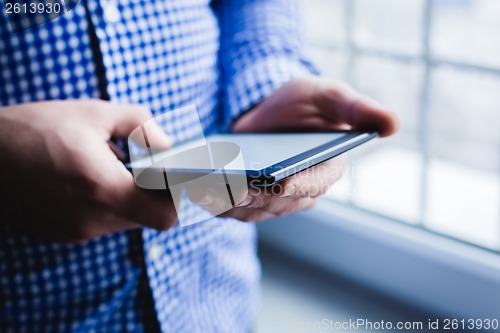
(82, 248)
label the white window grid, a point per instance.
(429, 63)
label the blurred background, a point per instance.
(429, 197)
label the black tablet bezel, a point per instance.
(286, 168)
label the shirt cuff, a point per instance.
(257, 81)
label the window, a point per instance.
(437, 64)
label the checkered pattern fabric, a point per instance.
(224, 56)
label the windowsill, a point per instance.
(294, 293)
(438, 274)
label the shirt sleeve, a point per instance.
(260, 49)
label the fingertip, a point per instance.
(157, 138)
(369, 114)
(391, 124)
(154, 136)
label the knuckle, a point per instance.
(260, 201)
(338, 91)
(94, 106)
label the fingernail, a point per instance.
(247, 201)
(289, 190)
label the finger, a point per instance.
(114, 187)
(355, 110)
(154, 209)
(248, 214)
(314, 181)
(213, 198)
(367, 115)
(285, 206)
(123, 119)
(278, 207)
(272, 204)
(255, 198)
(301, 204)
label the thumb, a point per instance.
(136, 123)
(364, 113)
(349, 107)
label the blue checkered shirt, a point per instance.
(224, 56)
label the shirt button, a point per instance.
(155, 251)
(111, 12)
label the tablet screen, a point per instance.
(259, 151)
(263, 150)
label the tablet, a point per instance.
(264, 158)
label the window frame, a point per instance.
(442, 276)
(429, 63)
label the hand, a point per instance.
(317, 104)
(61, 180)
(309, 104)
